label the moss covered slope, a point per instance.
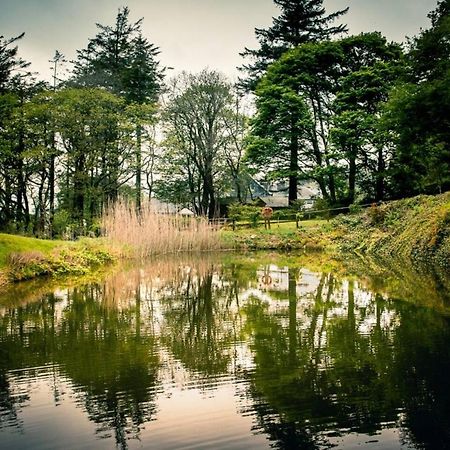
(417, 228)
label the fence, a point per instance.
(296, 217)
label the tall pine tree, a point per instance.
(300, 21)
(120, 59)
(9, 61)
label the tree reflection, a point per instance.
(344, 364)
(198, 323)
(325, 356)
(97, 347)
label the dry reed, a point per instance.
(147, 233)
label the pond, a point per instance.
(228, 352)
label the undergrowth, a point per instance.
(417, 228)
(78, 259)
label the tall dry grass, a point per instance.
(148, 233)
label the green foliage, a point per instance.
(121, 60)
(318, 110)
(354, 208)
(203, 145)
(416, 228)
(234, 211)
(300, 21)
(76, 259)
(20, 244)
(418, 112)
(239, 212)
(285, 214)
(9, 61)
(61, 222)
(298, 205)
(320, 204)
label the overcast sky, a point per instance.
(192, 34)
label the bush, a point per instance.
(249, 213)
(354, 208)
(234, 211)
(62, 224)
(321, 204)
(376, 214)
(298, 205)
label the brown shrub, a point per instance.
(22, 259)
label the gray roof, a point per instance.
(276, 201)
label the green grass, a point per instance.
(19, 244)
(416, 228)
(283, 235)
(245, 226)
(23, 258)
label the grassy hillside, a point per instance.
(23, 258)
(417, 228)
(10, 243)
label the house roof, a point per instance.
(308, 191)
(275, 201)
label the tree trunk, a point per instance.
(331, 183)
(379, 189)
(351, 177)
(292, 294)
(138, 167)
(78, 190)
(51, 186)
(293, 167)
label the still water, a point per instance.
(232, 352)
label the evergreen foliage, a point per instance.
(299, 22)
(418, 112)
(121, 60)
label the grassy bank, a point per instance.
(311, 235)
(417, 229)
(23, 258)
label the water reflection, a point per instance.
(290, 357)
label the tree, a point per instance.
(14, 171)
(121, 60)
(372, 67)
(197, 135)
(278, 131)
(94, 134)
(304, 82)
(300, 21)
(317, 107)
(418, 112)
(9, 61)
(236, 123)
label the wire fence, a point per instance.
(297, 217)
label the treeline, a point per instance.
(69, 148)
(364, 118)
